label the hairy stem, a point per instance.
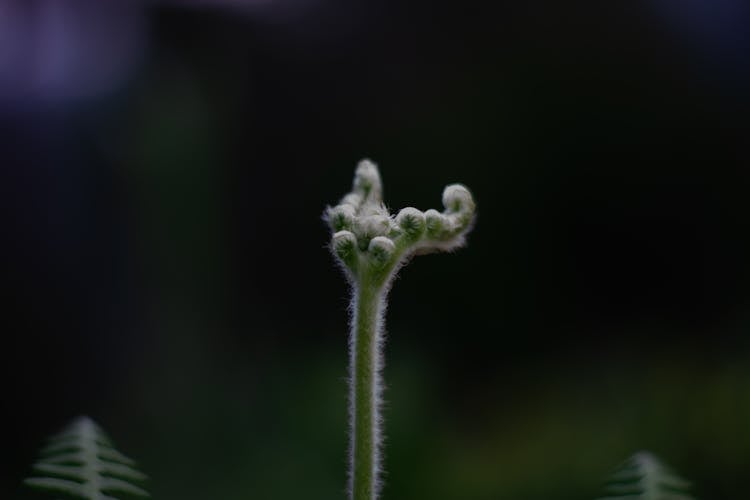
(365, 386)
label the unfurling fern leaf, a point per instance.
(81, 462)
(644, 477)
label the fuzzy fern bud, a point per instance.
(459, 204)
(381, 249)
(344, 245)
(341, 217)
(456, 198)
(412, 222)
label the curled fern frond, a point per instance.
(645, 477)
(372, 244)
(81, 462)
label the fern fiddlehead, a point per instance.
(371, 246)
(81, 462)
(644, 477)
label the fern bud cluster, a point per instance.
(367, 238)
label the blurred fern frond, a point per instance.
(81, 462)
(645, 477)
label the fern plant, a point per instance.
(645, 477)
(371, 246)
(81, 462)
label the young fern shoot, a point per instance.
(371, 246)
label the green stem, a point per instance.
(366, 361)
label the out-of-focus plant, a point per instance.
(371, 246)
(81, 462)
(645, 477)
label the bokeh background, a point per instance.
(164, 167)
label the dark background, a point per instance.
(164, 260)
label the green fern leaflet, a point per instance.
(644, 477)
(81, 462)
